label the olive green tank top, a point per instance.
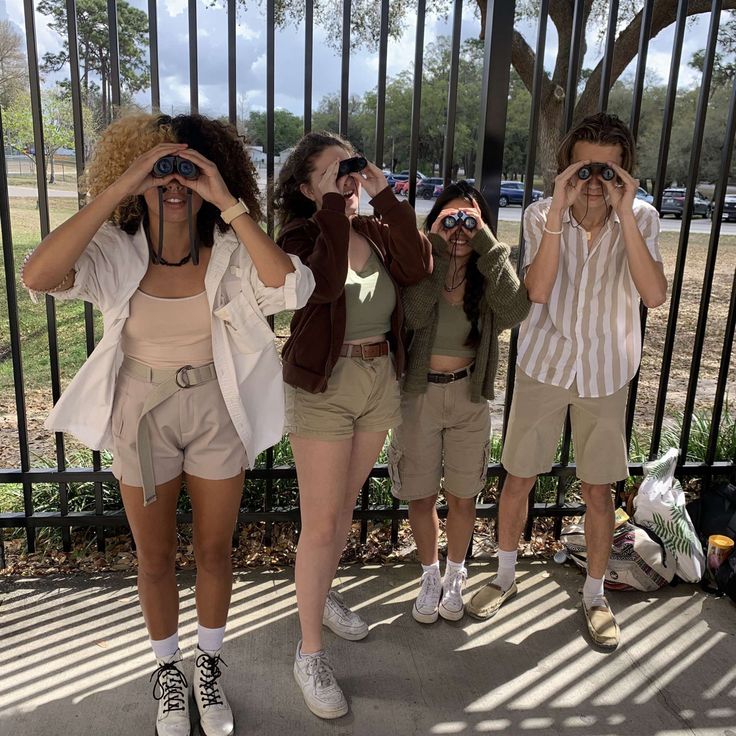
(453, 328)
(370, 299)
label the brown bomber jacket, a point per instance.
(321, 242)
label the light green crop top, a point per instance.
(370, 299)
(453, 328)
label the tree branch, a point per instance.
(523, 60)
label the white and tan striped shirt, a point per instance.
(589, 331)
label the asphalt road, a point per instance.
(423, 206)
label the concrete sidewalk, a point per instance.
(75, 661)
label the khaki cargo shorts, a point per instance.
(191, 432)
(362, 396)
(535, 425)
(443, 441)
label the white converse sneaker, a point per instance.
(215, 714)
(323, 696)
(171, 691)
(452, 607)
(341, 620)
(427, 603)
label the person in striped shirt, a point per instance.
(591, 256)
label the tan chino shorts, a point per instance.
(191, 432)
(362, 396)
(443, 435)
(535, 426)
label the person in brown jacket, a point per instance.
(341, 368)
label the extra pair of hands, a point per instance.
(620, 192)
(138, 177)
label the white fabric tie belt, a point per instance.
(168, 381)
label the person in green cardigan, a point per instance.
(454, 317)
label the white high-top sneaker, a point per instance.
(215, 714)
(426, 606)
(171, 691)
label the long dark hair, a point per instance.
(475, 283)
(288, 201)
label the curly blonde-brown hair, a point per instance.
(133, 135)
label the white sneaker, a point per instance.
(427, 603)
(341, 620)
(171, 691)
(215, 714)
(323, 696)
(452, 607)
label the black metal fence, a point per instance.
(499, 48)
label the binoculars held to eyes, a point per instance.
(351, 166)
(459, 218)
(603, 170)
(175, 165)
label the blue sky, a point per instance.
(251, 51)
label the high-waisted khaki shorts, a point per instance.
(535, 425)
(191, 432)
(444, 439)
(361, 396)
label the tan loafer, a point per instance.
(602, 625)
(486, 602)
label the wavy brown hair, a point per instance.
(602, 128)
(288, 201)
(475, 283)
(133, 135)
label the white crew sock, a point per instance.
(165, 648)
(593, 594)
(210, 640)
(434, 567)
(454, 566)
(506, 569)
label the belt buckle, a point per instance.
(181, 373)
(363, 356)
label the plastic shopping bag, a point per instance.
(660, 506)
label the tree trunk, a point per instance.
(550, 127)
(52, 172)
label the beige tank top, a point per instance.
(168, 333)
(453, 328)
(370, 299)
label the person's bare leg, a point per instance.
(599, 522)
(425, 527)
(459, 527)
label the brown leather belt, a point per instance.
(367, 350)
(450, 377)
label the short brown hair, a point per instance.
(601, 128)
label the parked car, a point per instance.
(390, 178)
(419, 174)
(398, 180)
(402, 187)
(438, 190)
(426, 187)
(729, 208)
(673, 203)
(512, 192)
(642, 193)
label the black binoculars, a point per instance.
(351, 166)
(459, 218)
(175, 165)
(603, 170)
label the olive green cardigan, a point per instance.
(503, 305)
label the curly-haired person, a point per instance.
(185, 383)
(454, 318)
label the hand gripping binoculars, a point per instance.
(351, 166)
(459, 218)
(603, 170)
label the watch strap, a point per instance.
(239, 208)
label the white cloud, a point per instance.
(175, 7)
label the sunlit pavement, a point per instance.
(76, 661)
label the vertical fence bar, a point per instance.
(6, 231)
(153, 55)
(193, 66)
(710, 266)
(687, 212)
(345, 70)
(494, 101)
(416, 102)
(308, 63)
(381, 88)
(112, 21)
(232, 60)
(449, 149)
(608, 55)
(641, 66)
(574, 62)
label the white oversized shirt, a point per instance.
(589, 331)
(248, 367)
